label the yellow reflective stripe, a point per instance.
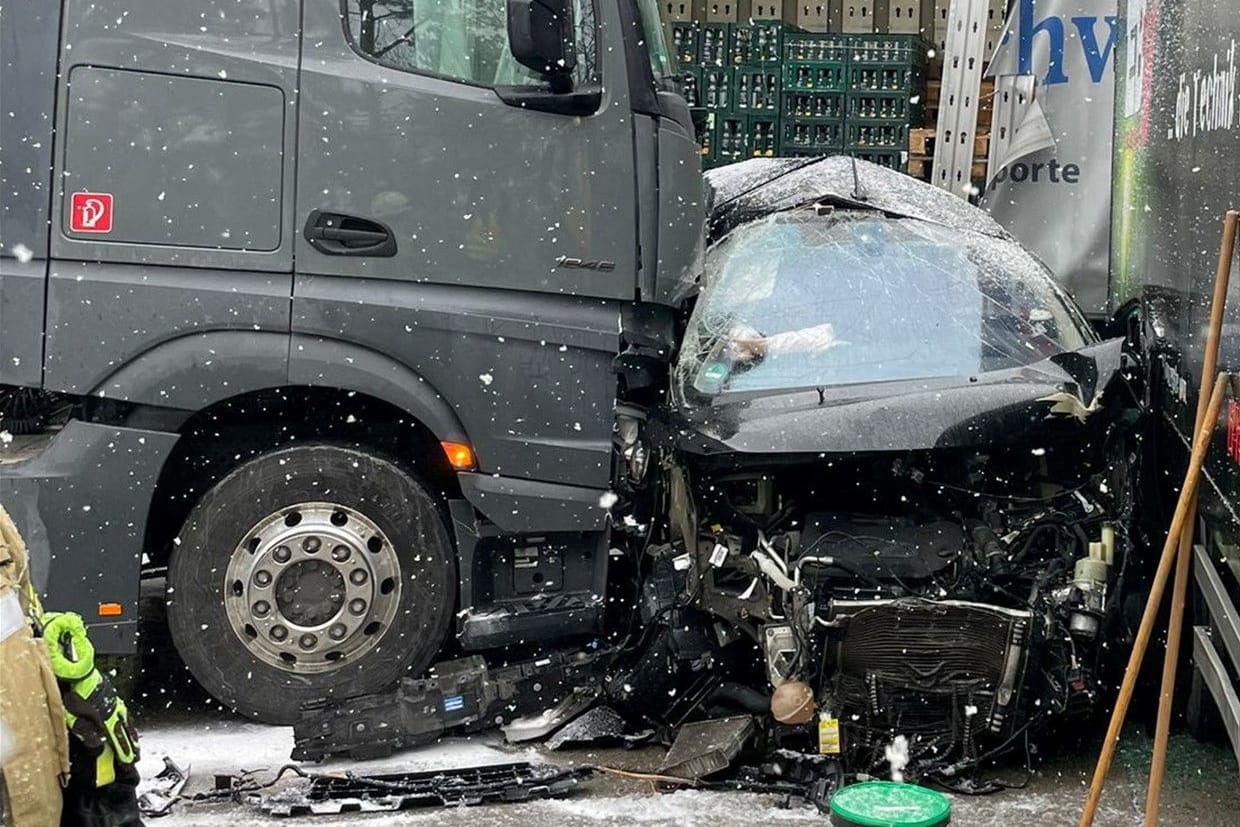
(118, 736)
(105, 768)
(32, 599)
(87, 685)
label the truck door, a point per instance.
(405, 130)
(457, 225)
(28, 45)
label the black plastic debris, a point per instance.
(705, 747)
(469, 786)
(601, 725)
(463, 695)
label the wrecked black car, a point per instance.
(886, 499)
(898, 461)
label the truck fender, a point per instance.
(323, 362)
(196, 371)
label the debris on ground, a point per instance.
(157, 795)
(329, 794)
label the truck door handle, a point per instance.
(338, 234)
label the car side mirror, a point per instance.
(540, 35)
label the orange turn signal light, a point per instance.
(111, 610)
(460, 456)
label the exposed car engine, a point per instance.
(958, 614)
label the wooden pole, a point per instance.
(1187, 492)
(1184, 559)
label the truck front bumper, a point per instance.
(81, 501)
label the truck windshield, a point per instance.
(656, 43)
(800, 299)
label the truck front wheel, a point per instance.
(306, 574)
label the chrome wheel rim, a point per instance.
(312, 587)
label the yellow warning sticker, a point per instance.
(828, 735)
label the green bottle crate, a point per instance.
(713, 42)
(715, 87)
(755, 90)
(864, 76)
(683, 40)
(886, 106)
(812, 137)
(768, 39)
(764, 135)
(890, 158)
(877, 135)
(731, 138)
(803, 105)
(890, 48)
(708, 141)
(691, 86)
(756, 43)
(808, 47)
(803, 76)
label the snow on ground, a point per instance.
(1201, 789)
(230, 745)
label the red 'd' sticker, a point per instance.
(90, 212)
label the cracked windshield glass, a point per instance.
(810, 298)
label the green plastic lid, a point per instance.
(888, 804)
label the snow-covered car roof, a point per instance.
(760, 186)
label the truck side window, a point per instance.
(463, 40)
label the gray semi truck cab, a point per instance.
(318, 305)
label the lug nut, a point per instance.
(308, 641)
(310, 545)
(282, 554)
(278, 633)
(341, 553)
(357, 606)
(337, 632)
(261, 608)
(262, 577)
(358, 576)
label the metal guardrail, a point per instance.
(1218, 640)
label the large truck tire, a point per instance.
(306, 574)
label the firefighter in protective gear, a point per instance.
(103, 782)
(100, 787)
(34, 749)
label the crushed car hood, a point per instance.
(751, 189)
(994, 408)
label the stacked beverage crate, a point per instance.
(733, 70)
(815, 103)
(886, 96)
(770, 89)
(853, 93)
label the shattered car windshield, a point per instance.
(806, 298)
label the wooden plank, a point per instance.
(920, 167)
(934, 91)
(921, 141)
